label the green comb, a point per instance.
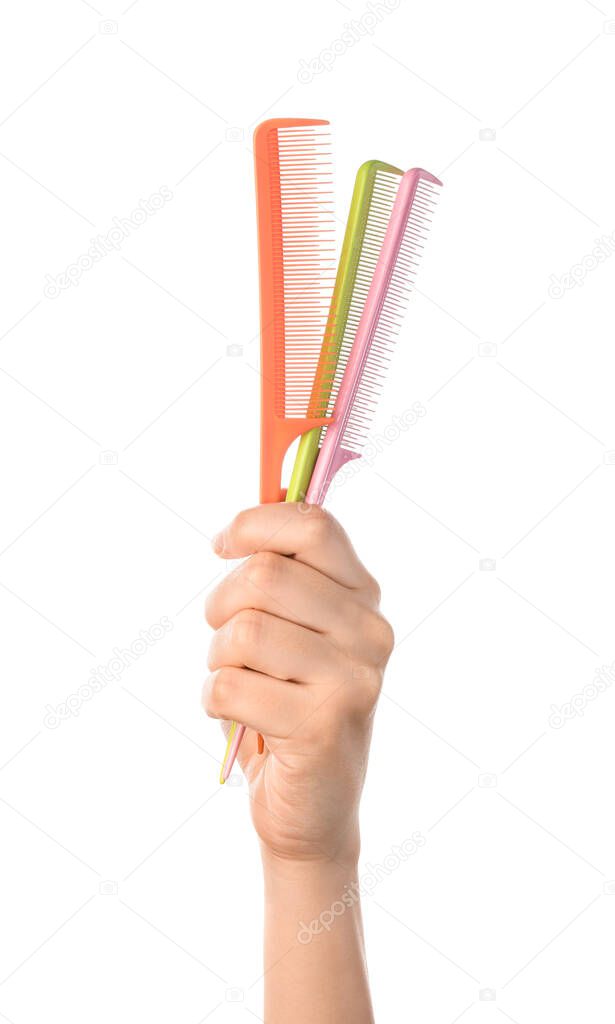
(370, 209)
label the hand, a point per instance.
(298, 655)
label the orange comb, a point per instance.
(296, 256)
(296, 248)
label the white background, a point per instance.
(120, 854)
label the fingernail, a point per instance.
(218, 543)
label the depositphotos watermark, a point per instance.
(366, 883)
(353, 32)
(575, 707)
(603, 248)
(102, 245)
(123, 658)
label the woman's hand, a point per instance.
(298, 655)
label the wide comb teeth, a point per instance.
(303, 248)
(403, 261)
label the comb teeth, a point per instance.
(303, 249)
(391, 315)
(384, 191)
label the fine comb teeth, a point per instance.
(372, 201)
(401, 280)
(377, 215)
(296, 235)
(380, 321)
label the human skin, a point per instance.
(298, 654)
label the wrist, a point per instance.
(319, 860)
(279, 868)
(313, 893)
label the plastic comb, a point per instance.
(296, 245)
(380, 321)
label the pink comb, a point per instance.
(379, 324)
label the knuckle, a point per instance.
(217, 692)
(318, 525)
(239, 525)
(263, 569)
(215, 652)
(383, 637)
(211, 609)
(246, 629)
(211, 654)
(373, 589)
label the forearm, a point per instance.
(314, 952)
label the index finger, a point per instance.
(306, 532)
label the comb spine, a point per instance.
(267, 171)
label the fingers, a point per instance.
(300, 613)
(307, 532)
(269, 706)
(277, 648)
(290, 590)
(286, 588)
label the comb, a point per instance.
(372, 201)
(296, 245)
(381, 318)
(296, 254)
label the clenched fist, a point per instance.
(298, 654)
